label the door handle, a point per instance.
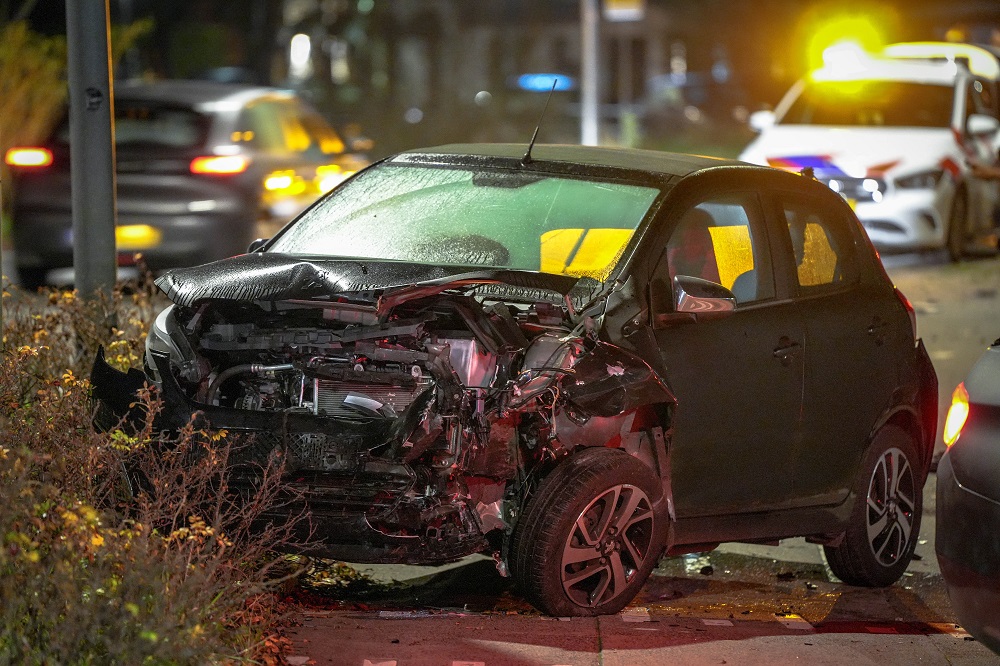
(787, 350)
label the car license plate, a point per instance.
(130, 237)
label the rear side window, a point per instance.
(822, 246)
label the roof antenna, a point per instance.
(526, 160)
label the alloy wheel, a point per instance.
(607, 546)
(891, 507)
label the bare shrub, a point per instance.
(132, 545)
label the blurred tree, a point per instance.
(32, 91)
(33, 80)
(32, 84)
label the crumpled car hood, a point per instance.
(273, 276)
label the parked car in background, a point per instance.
(894, 134)
(203, 168)
(968, 501)
(573, 358)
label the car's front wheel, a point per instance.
(885, 522)
(591, 534)
(958, 225)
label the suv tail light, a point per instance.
(222, 165)
(957, 414)
(28, 157)
(909, 310)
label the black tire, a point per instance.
(958, 225)
(885, 521)
(30, 279)
(607, 501)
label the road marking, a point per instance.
(468, 663)
(718, 623)
(942, 355)
(948, 628)
(380, 662)
(796, 622)
(637, 614)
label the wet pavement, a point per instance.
(740, 604)
(720, 608)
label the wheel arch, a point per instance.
(643, 432)
(907, 420)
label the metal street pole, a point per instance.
(92, 157)
(590, 16)
(2, 280)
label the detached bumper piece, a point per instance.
(116, 395)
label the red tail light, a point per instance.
(957, 415)
(909, 310)
(28, 157)
(220, 164)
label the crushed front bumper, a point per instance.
(351, 513)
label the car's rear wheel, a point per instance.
(958, 225)
(591, 534)
(885, 522)
(30, 279)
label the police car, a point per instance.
(895, 134)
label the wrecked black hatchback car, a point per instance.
(574, 360)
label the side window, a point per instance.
(285, 127)
(322, 137)
(722, 240)
(822, 246)
(258, 126)
(984, 97)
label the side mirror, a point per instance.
(761, 120)
(696, 300)
(257, 245)
(980, 124)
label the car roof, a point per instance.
(878, 69)
(203, 95)
(631, 159)
(981, 60)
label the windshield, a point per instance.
(474, 217)
(872, 103)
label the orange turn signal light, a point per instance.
(957, 414)
(28, 157)
(220, 164)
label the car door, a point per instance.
(738, 379)
(851, 340)
(984, 194)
